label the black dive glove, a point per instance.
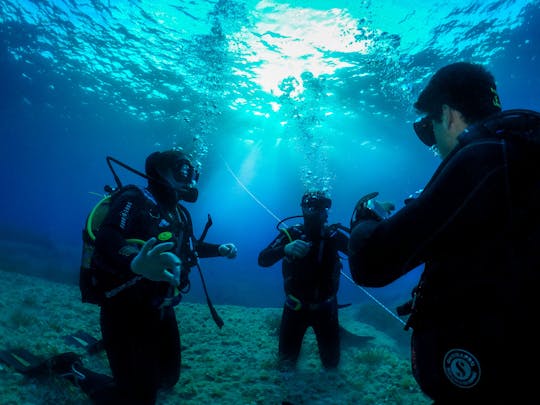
(367, 208)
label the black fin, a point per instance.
(84, 340)
(23, 361)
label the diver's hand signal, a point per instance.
(228, 250)
(297, 248)
(155, 263)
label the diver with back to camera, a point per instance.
(476, 228)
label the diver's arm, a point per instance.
(342, 242)
(460, 194)
(205, 250)
(273, 252)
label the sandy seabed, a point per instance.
(232, 365)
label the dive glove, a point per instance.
(297, 248)
(228, 250)
(369, 208)
(155, 263)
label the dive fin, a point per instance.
(29, 364)
(23, 361)
(84, 340)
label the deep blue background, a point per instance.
(55, 137)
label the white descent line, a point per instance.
(249, 192)
(374, 299)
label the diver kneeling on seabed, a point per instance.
(138, 251)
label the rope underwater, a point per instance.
(249, 192)
(278, 219)
(374, 299)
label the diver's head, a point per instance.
(464, 87)
(172, 175)
(315, 206)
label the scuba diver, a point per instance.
(144, 250)
(476, 229)
(311, 269)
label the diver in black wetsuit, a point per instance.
(476, 227)
(138, 322)
(311, 270)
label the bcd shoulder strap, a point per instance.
(511, 124)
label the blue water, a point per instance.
(272, 98)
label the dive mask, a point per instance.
(184, 172)
(182, 177)
(424, 130)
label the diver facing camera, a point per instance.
(311, 268)
(172, 171)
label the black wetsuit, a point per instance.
(476, 226)
(141, 339)
(311, 284)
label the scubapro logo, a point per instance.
(461, 368)
(124, 215)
